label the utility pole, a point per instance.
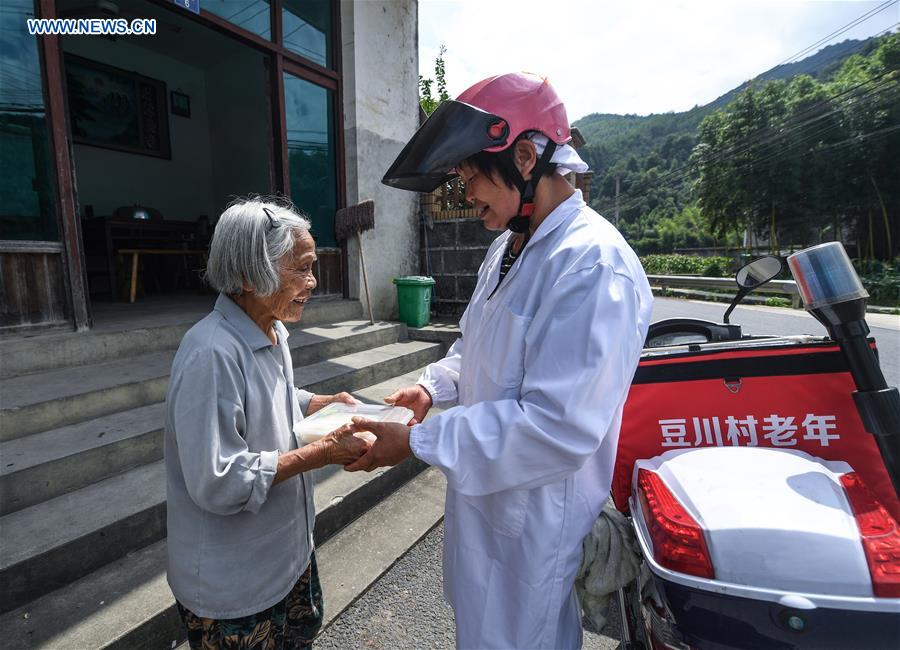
(617, 203)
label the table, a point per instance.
(106, 237)
(137, 252)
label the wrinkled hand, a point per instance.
(341, 446)
(415, 398)
(390, 447)
(318, 402)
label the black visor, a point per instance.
(451, 134)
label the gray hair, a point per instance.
(247, 248)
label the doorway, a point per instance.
(166, 131)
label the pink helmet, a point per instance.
(526, 101)
(489, 116)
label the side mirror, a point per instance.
(753, 275)
(758, 272)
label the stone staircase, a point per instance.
(82, 482)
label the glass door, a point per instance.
(309, 111)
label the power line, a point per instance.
(748, 141)
(774, 129)
(775, 132)
(839, 31)
(756, 136)
(295, 30)
(871, 90)
(765, 161)
(872, 94)
(791, 124)
(785, 154)
(245, 22)
(854, 139)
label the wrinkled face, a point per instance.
(496, 202)
(296, 281)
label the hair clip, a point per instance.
(274, 222)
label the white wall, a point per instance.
(381, 112)
(181, 188)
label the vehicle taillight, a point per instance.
(678, 541)
(880, 536)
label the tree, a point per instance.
(426, 98)
(868, 98)
(805, 160)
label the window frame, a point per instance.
(282, 60)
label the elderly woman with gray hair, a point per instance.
(240, 496)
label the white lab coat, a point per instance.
(540, 377)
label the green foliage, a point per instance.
(808, 160)
(426, 99)
(775, 301)
(799, 155)
(664, 229)
(882, 281)
(643, 153)
(710, 267)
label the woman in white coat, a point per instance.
(550, 342)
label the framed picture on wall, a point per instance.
(181, 103)
(116, 109)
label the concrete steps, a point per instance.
(361, 369)
(53, 542)
(128, 605)
(82, 482)
(122, 596)
(161, 328)
(59, 397)
(44, 465)
(126, 602)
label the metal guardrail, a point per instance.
(784, 287)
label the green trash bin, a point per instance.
(414, 298)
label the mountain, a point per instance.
(611, 138)
(820, 65)
(644, 179)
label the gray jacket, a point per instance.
(236, 544)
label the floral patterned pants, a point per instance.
(289, 624)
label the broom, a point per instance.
(355, 220)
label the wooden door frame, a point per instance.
(331, 80)
(74, 272)
(285, 60)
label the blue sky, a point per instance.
(638, 56)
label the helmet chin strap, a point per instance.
(519, 223)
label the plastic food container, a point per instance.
(336, 415)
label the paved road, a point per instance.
(776, 320)
(405, 608)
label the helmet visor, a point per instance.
(451, 134)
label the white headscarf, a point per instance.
(566, 158)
